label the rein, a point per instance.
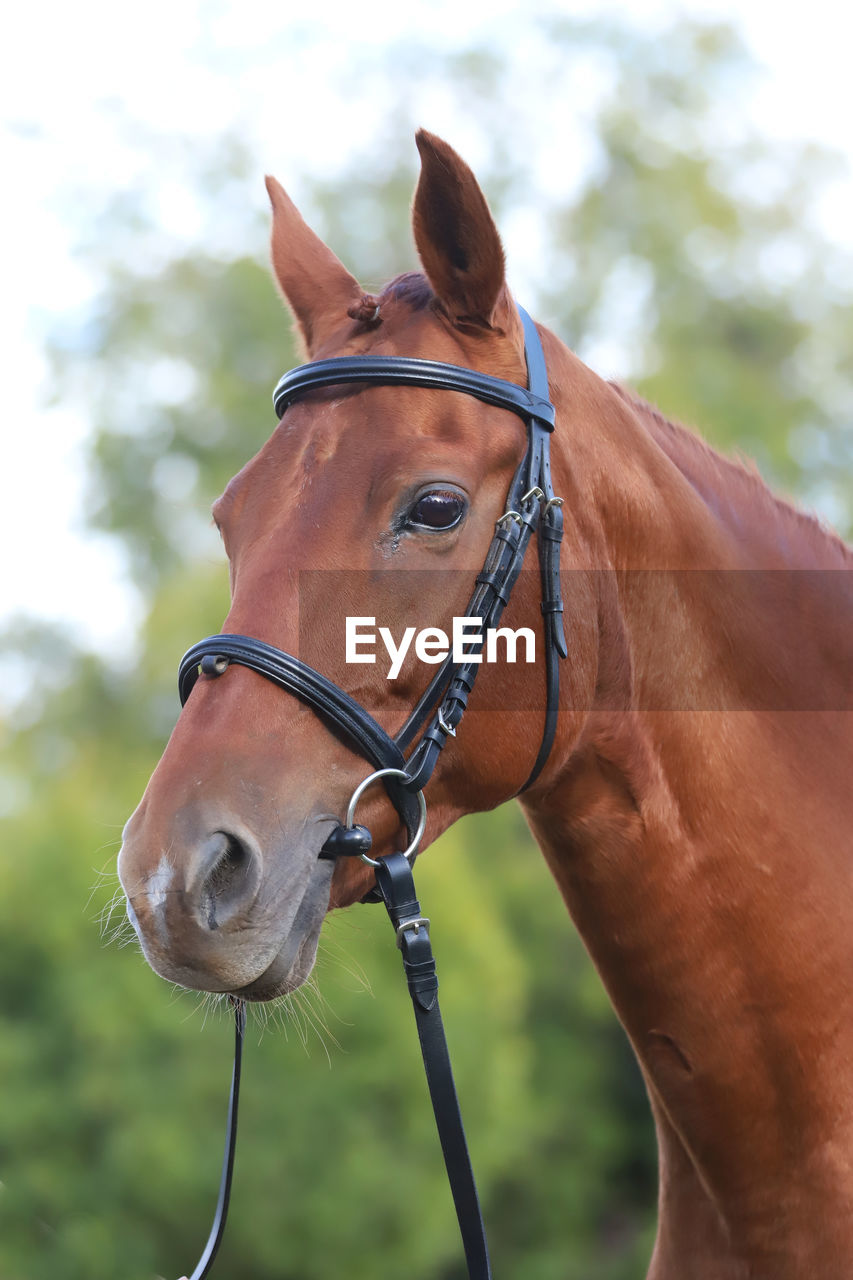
(531, 507)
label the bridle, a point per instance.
(531, 506)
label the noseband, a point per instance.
(531, 506)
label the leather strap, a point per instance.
(394, 879)
(550, 537)
(408, 371)
(530, 493)
(217, 1231)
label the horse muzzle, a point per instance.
(216, 912)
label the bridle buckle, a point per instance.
(414, 924)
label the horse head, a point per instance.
(367, 502)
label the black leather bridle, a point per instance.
(531, 506)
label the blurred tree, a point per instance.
(690, 265)
(703, 269)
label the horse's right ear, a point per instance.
(316, 285)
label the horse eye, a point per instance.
(439, 509)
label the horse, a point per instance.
(694, 806)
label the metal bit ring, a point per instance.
(349, 820)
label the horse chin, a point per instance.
(287, 964)
(263, 952)
(294, 962)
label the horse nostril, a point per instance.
(231, 880)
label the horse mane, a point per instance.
(713, 474)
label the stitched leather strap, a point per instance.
(394, 878)
(550, 537)
(387, 370)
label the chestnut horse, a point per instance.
(696, 808)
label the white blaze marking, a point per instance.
(159, 885)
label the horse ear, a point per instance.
(316, 285)
(457, 239)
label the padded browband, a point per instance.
(384, 370)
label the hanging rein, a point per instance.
(531, 506)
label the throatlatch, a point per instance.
(531, 506)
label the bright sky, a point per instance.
(72, 75)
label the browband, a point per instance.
(375, 371)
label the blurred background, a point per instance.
(676, 199)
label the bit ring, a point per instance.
(349, 822)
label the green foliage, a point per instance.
(176, 371)
(704, 281)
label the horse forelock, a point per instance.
(412, 288)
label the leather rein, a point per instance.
(531, 507)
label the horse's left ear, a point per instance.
(316, 285)
(457, 239)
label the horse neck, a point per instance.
(712, 593)
(697, 817)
